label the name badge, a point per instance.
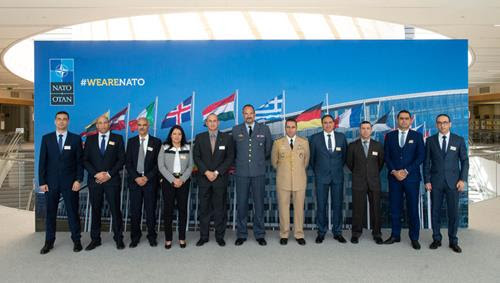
(111, 143)
(150, 148)
(453, 148)
(222, 147)
(260, 136)
(374, 153)
(338, 148)
(67, 147)
(240, 135)
(182, 157)
(410, 141)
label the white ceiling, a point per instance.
(461, 19)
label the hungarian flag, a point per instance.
(147, 113)
(224, 109)
(117, 122)
(310, 118)
(91, 129)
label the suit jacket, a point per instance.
(449, 168)
(150, 160)
(291, 165)
(166, 159)
(220, 160)
(328, 166)
(410, 157)
(365, 169)
(251, 151)
(112, 161)
(60, 169)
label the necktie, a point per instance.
(291, 144)
(330, 149)
(402, 139)
(212, 142)
(443, 145)
(365, 147)
(60, 143)
(250, 130)
(103, 144)
(140, 160)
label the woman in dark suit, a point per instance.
(175, 162)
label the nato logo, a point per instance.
(62, 79)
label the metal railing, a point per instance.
(484, 172)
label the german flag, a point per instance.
(310, 118)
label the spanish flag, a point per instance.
(310, 118)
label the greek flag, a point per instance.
(270, 111)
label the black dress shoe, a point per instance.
(133, 244)
(319, 239)
(120, 244)
(153, 242)
(378, 240)
(283, 241)
(262, 241)
(93, 245)
(392, 240)
(354, 240)
(221, 242)
(301, 241)
(183, 245)
(168, 246)
(201, 242)
(340, 239)
(415, 244)
(456, 248)
(435, 244)
(46, 248)
(239, 241)
(77, 246)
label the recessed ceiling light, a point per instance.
(497, 25)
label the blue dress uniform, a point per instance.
(409, 157)
(250, 161)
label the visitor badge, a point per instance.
(111, 143)
(222, 147)
(338, 148)
(67, 147)
(453, 148)
(374, 153)
(150, 148)
(410, 141)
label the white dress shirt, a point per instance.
(107, 134)
(294, 138)
(440, 140)
(332, 137)
(252, 125)
(65, 134)
(177, 160)
(145, 143)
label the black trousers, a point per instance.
(139, 195)
(71, 202)
(212, 201)
(359, 208)
(112, 193)
(175, 197)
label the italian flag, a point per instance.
(310, 118)
(224, 109)
(147, 113)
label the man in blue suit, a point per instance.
(446, 168)
(404, 153)
(328, 155)
(60, 172)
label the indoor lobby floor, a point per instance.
(331, 261)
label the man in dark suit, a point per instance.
(365, 159)
(404, 152)
(142, 169)
(103, 158)
(60, 172)
(213, 154)
(446, 170)
(328, 154)
(252, 142)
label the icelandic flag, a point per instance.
(180, 114)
